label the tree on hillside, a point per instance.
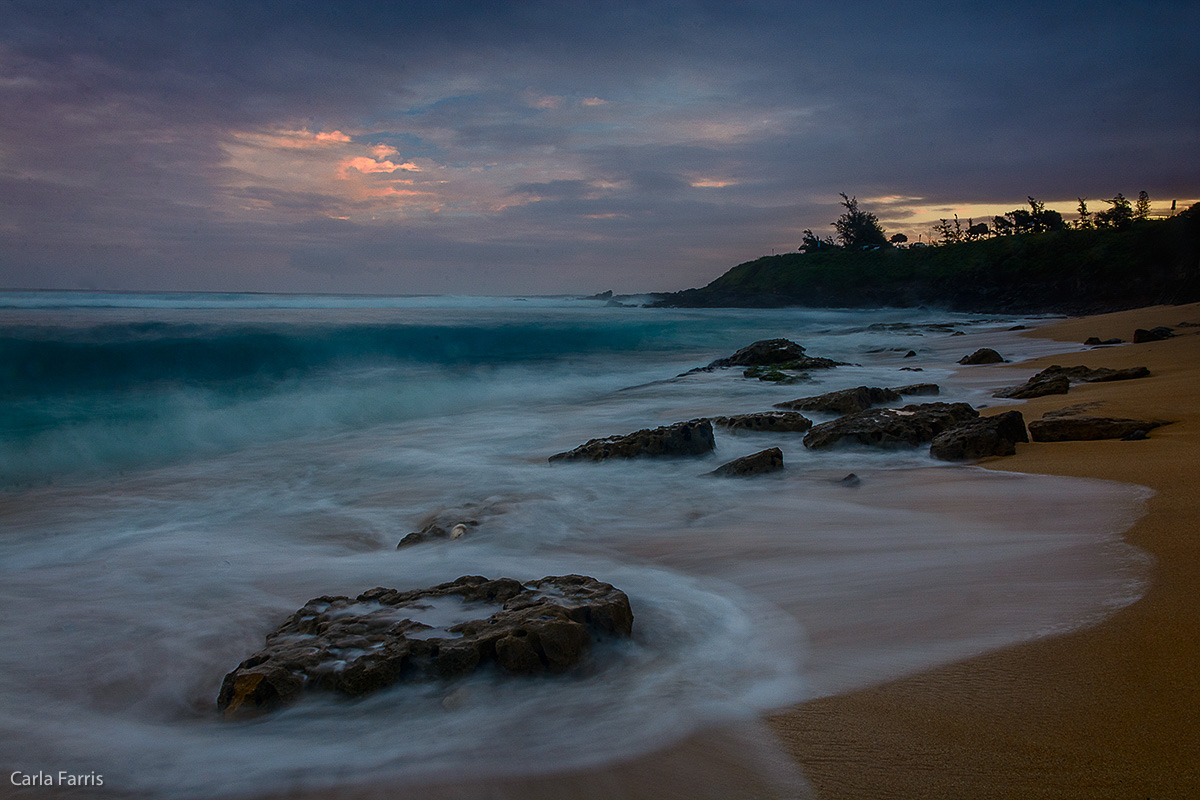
(1038, 219)
(1141, 209)
(898, 238)
(1120, 215)
(858, 229)
(810, 242)
(949, 232)
(977, 230)
(1085, 216)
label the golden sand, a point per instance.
(1112, 711)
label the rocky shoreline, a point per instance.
(355, 646)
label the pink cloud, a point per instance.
(369, 165)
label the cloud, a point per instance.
(367, 165)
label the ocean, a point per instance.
(179, 472)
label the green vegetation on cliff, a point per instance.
(1068, 270)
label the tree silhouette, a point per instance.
(810, 242)
(858, 229)
(1085, 216)
(1141, 209)
(1119, 216)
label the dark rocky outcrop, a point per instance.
(984, 355)
(1153, 335)
(766, 421)
(782, 354)
(1085, 428)
(1097, 375)
(773, 375)
(843, 401)
(1035, 387)
(1072, 410)
(359, 645)
(980, 438)
(917, 389)
(766, 352)
(847, 401)
(1057, 380)
(760, 463)
(890, 427)
(691, 438)
(1095, 341)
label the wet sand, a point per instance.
(1112, 711)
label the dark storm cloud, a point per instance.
(538, 146)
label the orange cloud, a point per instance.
(368, 166)
(294, 140)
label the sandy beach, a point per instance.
(1110, 711)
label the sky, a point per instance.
(556, 147)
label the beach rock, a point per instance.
(844, 401)
(781, 354)
(1085, 428)
(766, 422)
(1153, 335)
(1095, 341)
(979, 438)
(910, 354)
(760, 463)
(851, 481)
(917, 389)
(691, 438)
(1090, 375)
(890, 427)
(765, 352)
(984, 355)
(1135, 436)
(360, 645)
(912, 369)
(1037, 388)
(1072, 410)
(772, 374)
(1057, 380)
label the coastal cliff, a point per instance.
(1066, 271)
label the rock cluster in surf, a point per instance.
(359, 645)
(888, 427)
(694, 437)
